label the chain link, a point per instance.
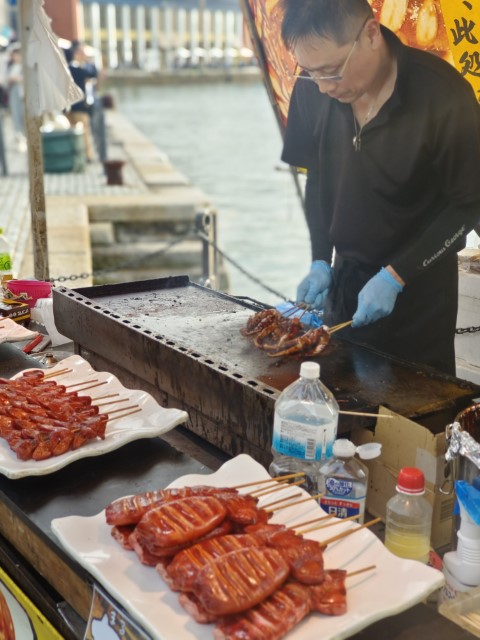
(239, 267)
(137, 262)
(194, 232)
(467, 330)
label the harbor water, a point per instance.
(226, 140)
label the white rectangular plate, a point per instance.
(152, 420)
(395, 584)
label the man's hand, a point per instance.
(313, 289)
(377, 298)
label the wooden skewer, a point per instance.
(319, 519)
(277, 479)
(367, 415)
(104, 404)
(294, 503)
(92, 386)
(280, 485)
(291, 497)
(60, 372)
(349, 532)
(337, 327)
(133, 406)
(77, 384)
(356, 573)
(124, 415)
(110, 395)
(330, 524)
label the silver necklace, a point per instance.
(357, 138)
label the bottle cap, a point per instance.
(343, 448)
(369, 450)
(310, 370)
(411, 480)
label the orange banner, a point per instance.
(447, 28)
(462, 19)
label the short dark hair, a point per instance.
(335, 19)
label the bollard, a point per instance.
(113, 171)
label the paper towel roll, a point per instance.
(43, 314)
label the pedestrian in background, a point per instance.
(15, 95)
(85, 75)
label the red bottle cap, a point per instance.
(411, 480)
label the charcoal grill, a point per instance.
(181, 342)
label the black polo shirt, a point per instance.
(412, 192)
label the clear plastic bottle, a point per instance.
(5, 259)
(304, 427)
(409, 517)
(344, 479)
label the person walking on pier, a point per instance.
(390, 138)
(85, 75)
(15, 95)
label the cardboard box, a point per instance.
(407, 444)
(16, 311)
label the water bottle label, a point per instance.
(299, 440)
(343, 508)
(339, 487)
(5, 262)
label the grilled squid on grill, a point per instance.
(281, 336)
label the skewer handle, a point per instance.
(349, 532)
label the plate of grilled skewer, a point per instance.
(50, 418)
(296, 572)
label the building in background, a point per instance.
(155, 35)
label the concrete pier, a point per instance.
(118, 231)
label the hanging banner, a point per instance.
(462, 20)
(447, 28)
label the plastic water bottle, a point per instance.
(409, 517)
(5, 259)
(304, 427)
(344, 479)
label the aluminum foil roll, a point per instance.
(462, 443)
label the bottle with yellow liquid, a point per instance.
(409, 517)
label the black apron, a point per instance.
(421, 327)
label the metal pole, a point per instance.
(34, 145)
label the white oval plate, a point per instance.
(152, 420)
(393, 586)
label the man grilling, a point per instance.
(390, 138)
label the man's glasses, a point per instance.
(317, 77)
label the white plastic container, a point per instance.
(304, 427)
(344, 479)
(409, 517)
(5, 259)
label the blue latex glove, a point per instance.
(313, 289)
(377, 298)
